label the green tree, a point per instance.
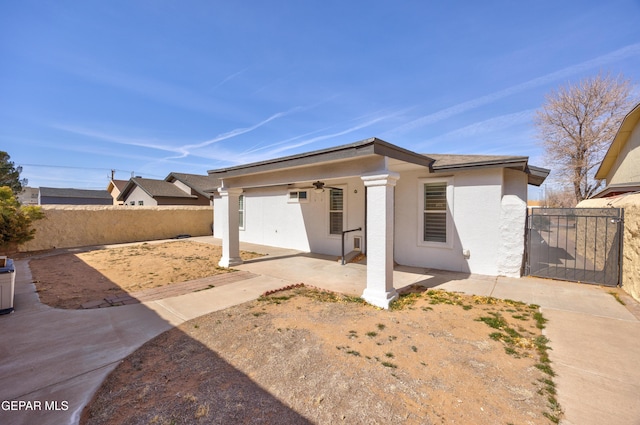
(15, 221)
(10, 175)
(576, 125)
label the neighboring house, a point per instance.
(620, 167)
(196, 184)
(152, 192)
(29, 196)
(455, 212)
(67, 196)
(116, 187)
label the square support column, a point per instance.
(380, 209)
(228, 214)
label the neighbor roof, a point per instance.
(119, 184)
(204, 185)
(626, 127)
(154, 188)
(617, 189)
(74, 193)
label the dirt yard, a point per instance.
(69, 280)
(303, 356)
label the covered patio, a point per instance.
(372, 167)
(391, 204)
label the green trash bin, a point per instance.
(7, 286)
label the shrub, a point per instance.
(15, 221)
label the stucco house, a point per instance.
(453, 212)
(176, 189)
(620, 167)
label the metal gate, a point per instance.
(577, 244)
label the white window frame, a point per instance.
(293, 196)
(344, 211)
(242, 211)
(449, 213)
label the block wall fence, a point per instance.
(66, 226)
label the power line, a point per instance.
(89, 168)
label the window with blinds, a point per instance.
(435, 212)
(336, 210)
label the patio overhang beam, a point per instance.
(339, 169)
(368, 147)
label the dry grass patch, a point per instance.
(69, 280)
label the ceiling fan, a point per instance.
(319, 187)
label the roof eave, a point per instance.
(519, 163)
(619, 187)
(536, 175)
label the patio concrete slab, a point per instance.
(196, 304)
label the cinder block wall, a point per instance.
(631, 257)
(66, 226)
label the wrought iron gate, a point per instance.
(577, 244)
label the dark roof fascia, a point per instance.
(372, 146)
(517, 162)
(616, 188)
(536, 175)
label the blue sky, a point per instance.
(149, 87)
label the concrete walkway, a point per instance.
(51, 355)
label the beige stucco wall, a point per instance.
(631, 256)
(73, 226)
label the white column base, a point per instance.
(380, 298)
(227, 262)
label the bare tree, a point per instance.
(559, 198)
(576, 126)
